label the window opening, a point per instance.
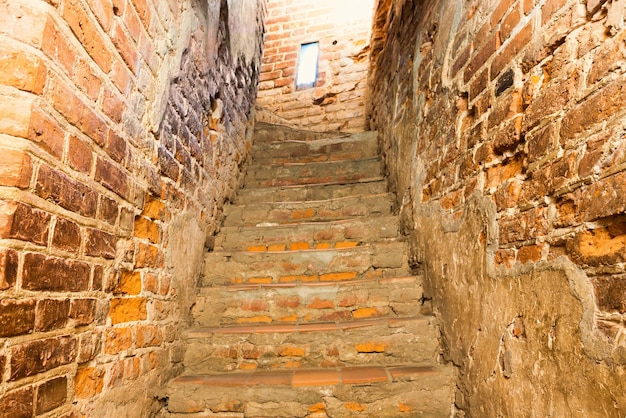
(307, 65)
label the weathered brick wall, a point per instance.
(342, 29)
(122, 132)
(503, 128)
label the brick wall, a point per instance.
(503, 129)
(123, 129)
(342, 29)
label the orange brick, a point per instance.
(131, 368)
(365, 313)
(147, 256)
(318, 303)
(89, 382)
(277, 247)
(318, 408)
(261, 319)
(103, 10)
(46, 133)
(354, 406)
(323, 245)
(292, 365)
(15, 115)
(81, 157)
(148, 336)
(22, 70)
(402, 407)
(166, 283)
(151, 283)
(247, 365)
(126, 48)
(295, 246)
(55, 45)
(29, 27)
(292, 352)
(86, 79)
(529, 253)
(285, 301)
(255, 305)
(130, 282)
(146, 229)
(346, 244)
(371, 347)
(117, 340)
(290, 318)
(154, 208)
(257, 248)
(15, 168)
(87, 33)
(338, 277)
(260, 280)
(303, 214)
(127, 309)
(153, 360)
(290, 279)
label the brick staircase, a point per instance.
(308, 307)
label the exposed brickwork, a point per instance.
(520, 102)
(115, 123)
(337, 102)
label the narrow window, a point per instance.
(307, 65)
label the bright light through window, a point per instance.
(307, 65)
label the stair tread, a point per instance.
(379, 204)
(265, 164)
(359, 248)
(289, 285)
(314, 202)
(351, 375)
(294, 225)
(343, 182)
(298, 192)
(202, 332)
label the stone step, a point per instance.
(386, 259)
(320, 235)
(308, 301)
(267, 132)
(308, 211)
(289, 174)
(368, 391)
(372, 184)
(382, 341)
(354, 147)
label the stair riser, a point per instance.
(358, 147)
(301, 193)
(303, 304)
(380, 345)
(377, 260)
(315, 235)
(424, 397)
(288, 175)
(323, 211)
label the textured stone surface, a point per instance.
(314, 312)
(501, 127)
(123, 131)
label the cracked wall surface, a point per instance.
(502, 127)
